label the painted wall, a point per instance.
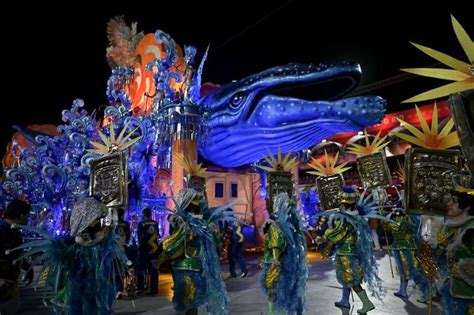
(248, 200)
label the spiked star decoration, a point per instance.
(430, 138)
(461, 72)
(329, 167)
(112, 145)
(370, 147)
(280, 163)
(192, 168)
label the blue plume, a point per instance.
(367, 207)
(137, 187)
(291, 285)
(189, 53)
(196, 88)
(87, 273)
(216, 298)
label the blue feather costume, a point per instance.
(82, 269)
(289, 283)
(192, 250)
(360, 257)
(82, 277)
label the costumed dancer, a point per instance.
(17, 212)
(354, 258)
(403, 248)
(430, 256)
(457, 238)
(193, 255)
(82, 269)
(123, 232)
(285, 271)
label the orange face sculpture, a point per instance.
(141, 86)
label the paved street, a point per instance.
(247, 299)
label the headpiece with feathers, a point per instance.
(123, 40)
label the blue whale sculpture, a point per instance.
(261, 112)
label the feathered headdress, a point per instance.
(195, 175)
(348, 195)
(123, 41)
(192, 168)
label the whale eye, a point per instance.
(237, 100)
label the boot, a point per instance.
(192, 311)
(402, 293)
(344, 302)
(366, 304)
(270, 309)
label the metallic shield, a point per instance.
(429, 179)
(373, 170)
(462, 107)
(329, 188)
(109, 178)
(278, 182)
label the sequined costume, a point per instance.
(431, 258)
(82, 268)
(189, 285)
(285, 270)
(403, 249)
(457, 237)
(348, 266)
(354, 260)
(275, 245)
(192, 252)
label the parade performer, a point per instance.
(403, 248)
(192, 252)
(354, 258)
(122, 230)
(83, 268)
(17, 212)
(430, 257)
(285, 271)
(457, 238)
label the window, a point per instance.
(219, 190)
(234, 190)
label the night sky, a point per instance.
(55, 55)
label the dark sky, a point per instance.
(55, 55)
